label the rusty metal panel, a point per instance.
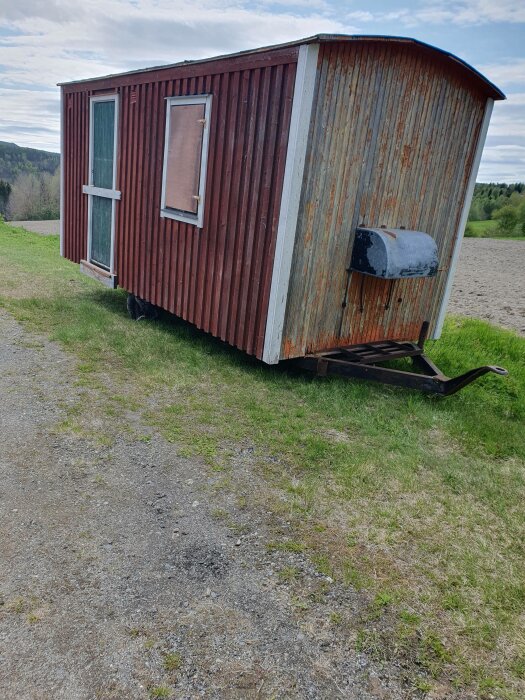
(217, 277)
(392, 142)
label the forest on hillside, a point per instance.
(16, 160)
(29, 183)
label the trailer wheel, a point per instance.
(139, 309)
(134, 307)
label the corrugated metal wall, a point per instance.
(392, 141)
(217, 277)
(75, 163)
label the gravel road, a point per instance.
(490, 282)
(45, 228)
(115, 557)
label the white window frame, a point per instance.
(178, 215)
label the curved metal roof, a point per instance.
(490, 89)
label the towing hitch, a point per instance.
(363, 362)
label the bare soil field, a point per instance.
(490, 282)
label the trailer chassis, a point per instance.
(364, 362)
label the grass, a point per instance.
(288, 574)
(481, 229)
(286, 546)
(160, 691)
(172, 661)
(387, 490)
(488, 229)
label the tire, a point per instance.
(139, 309)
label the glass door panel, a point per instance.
(103, 143)
(102, 177)
(101, 225)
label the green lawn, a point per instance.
(417, 500)
(487, 229)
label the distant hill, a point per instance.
(17, 159)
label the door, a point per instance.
(101, 188)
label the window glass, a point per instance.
(103, 142)
(101, 231)
(183, 162)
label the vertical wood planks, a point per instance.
(216, 277)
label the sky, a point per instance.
(43, 42)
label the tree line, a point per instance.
(30, 190)
(505, 204)
(29, 183)
(31, 197)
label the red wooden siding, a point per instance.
(75, 164)
(217, 277)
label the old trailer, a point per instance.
(305, 200)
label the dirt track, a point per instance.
(490, 282)
(45, 228)
(113, 557)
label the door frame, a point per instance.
(92, 191)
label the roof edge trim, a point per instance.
(491, 89)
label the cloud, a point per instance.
(438, 12)
(504, 154)
(505, 74)
(54, 10)
(508, 119)
(43, 42)
(18, 122)
(502, 164)
(109, 36)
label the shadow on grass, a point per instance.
(451, 352)
(171, 326)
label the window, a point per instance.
(185, 155)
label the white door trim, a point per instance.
(101, 192)
(90, 188)
(463, 220)
(292, 186)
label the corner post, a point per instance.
(305, 79)
(463, 220)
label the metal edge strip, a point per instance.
(292, 187)
(107, 278)
(101, 192)
(463, 220)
